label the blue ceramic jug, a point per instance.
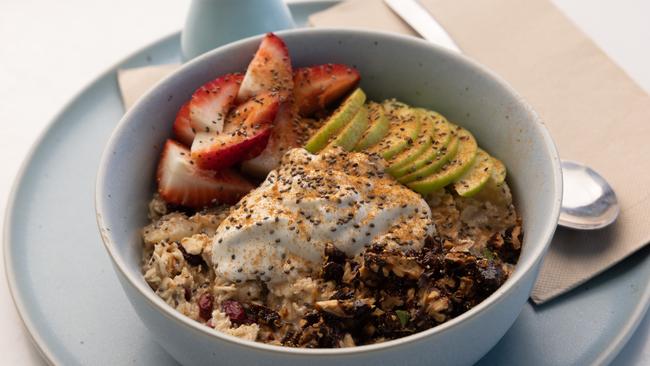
(212, 23)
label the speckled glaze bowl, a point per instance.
(406, 68)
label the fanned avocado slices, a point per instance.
(341, 117)
(423, 150)
(476, 177)
(497, 194)
(377, 129)
(441, 138)
(442, 157)
(351, 133)
(453, 170)
(404, 128)
(442, 129)
(421, 145)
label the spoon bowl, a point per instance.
(588, 201)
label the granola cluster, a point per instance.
(382, 295)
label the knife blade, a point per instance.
(415, 15)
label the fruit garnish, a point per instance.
(339, 119)
(316, 87)
(476, 177)
(498, 171)
(255, 118)
(405, 126)
(270, 70)
(351, 133)
(245, 135)
(429, 163)
(420, 146)
(182, 128)
(441, 149)
(451, 171)
(377, 129)
(211, 102)
(182, 182)
(206, 305)
(285, 136)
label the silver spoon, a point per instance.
(588, 201)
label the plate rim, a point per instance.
(609, 353)
(10, 272)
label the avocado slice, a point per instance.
(497, 194)
(404, 128)
(443, 131)
(498, 171)
(441, 157)
(341, 116)
(421, 145)
(453, 170)
(477, 176)
(351, 133)
(378, 127)
(442, 134)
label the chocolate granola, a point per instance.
(375, 296)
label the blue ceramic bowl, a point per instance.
(406, 68)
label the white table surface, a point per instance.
(49, 50)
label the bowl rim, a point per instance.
(521, 270)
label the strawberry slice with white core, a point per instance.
(211, 103)
(316, 87)
(182, 128)
(181, 182)
(283, 138)
(270, 70)
(245, 134)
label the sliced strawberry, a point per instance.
(182, 128)
(315, 87)
(283, 138)
(181, 182)
(245, 134)
(224, 150)
(270, 70)
(211, 103)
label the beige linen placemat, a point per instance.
(595, 112)
(135, 82)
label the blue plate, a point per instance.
(74, 308)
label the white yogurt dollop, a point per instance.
(282, 227)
